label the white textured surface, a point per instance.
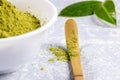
(100, 52)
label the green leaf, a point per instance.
(79, 9)
(107, 12)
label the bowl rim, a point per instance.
(36, 31)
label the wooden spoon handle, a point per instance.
(79, 78)
(72, 42)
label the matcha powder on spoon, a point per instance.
(13, 22)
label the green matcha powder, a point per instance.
(60, 53)
(13, 22)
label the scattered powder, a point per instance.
(60, 53)
(51, 60)
(41, 68)
(13, 22)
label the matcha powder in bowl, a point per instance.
(13, 22)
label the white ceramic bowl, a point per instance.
(15, 51)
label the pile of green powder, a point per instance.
(72, 45)
(13, 22)
(60, 53)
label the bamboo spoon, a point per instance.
(72, 41)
